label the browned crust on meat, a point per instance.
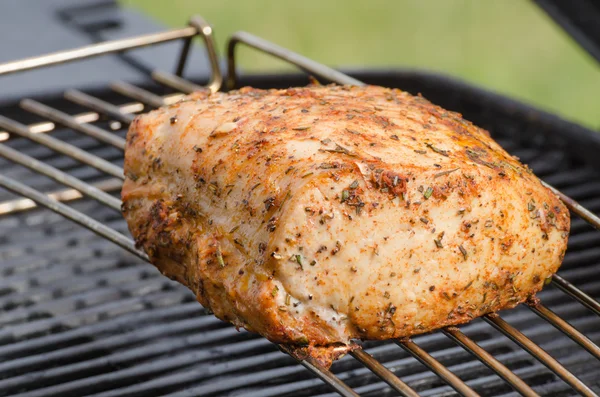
(321, 356)
(237, 274)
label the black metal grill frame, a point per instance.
(123, 114)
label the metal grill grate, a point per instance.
(45, 356)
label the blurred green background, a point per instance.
(509, 46)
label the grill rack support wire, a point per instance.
(59, 176)
(577, 294)
(64, 195)
(94, 50)
(324, 374)
(565, 328)
(490, 361)
(436, 367)
(61, 147)
(205, 31)
(107, 108)
(57, 116)
(71, 214)
(284, 54)
(139, 94)
(197, 27)
(519, 338)
(384, 374)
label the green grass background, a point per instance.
(509, 46)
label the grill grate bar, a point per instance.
(540, 354)
(438, 368)
(565, 328)
(64, 195)
(176, 82)
(96, 49)
(138, 94)
(28, 365)
(61, 147)
(385, 374)
(267, 47)
(60, 176)
(71, 122)
(98, 105)
(71, 214)
(180, 357)
(577, 294)
(27, 347)
(325, 375)
(486, 358)
(577, 208)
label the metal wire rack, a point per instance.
(144, 99)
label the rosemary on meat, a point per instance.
(299, 260)
(439, 174)
(238, 242)
(463, 251)
(437, 150)
(339, 149)
(220, 258)
(428, 192)
(327, 166)
(391, 309)
(345, 195)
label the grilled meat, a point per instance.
(319, 215)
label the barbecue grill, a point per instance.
(83, 314)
